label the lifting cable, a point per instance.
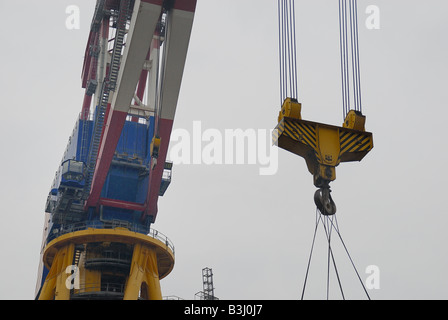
(348, 36)
(287, 50)
(349, 51)
(350, 72)
(161, 67)
(162, 45)
(329, 223)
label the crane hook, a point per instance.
(324, 202)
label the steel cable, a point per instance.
(357, 54)
(349, 256)
(330, 253)
(348, 32)
(287, 50)
(329, 224)
(318, 217)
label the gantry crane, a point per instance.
(98, 242)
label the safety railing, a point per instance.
(111, 225)
(105, 289)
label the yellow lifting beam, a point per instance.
(322, 146)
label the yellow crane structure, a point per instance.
(323, 146)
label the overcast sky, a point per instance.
(254, 231)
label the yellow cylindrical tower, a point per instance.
(106, 264)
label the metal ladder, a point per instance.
(109, 85)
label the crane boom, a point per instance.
(115, 166)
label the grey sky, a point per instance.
(254, 231)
